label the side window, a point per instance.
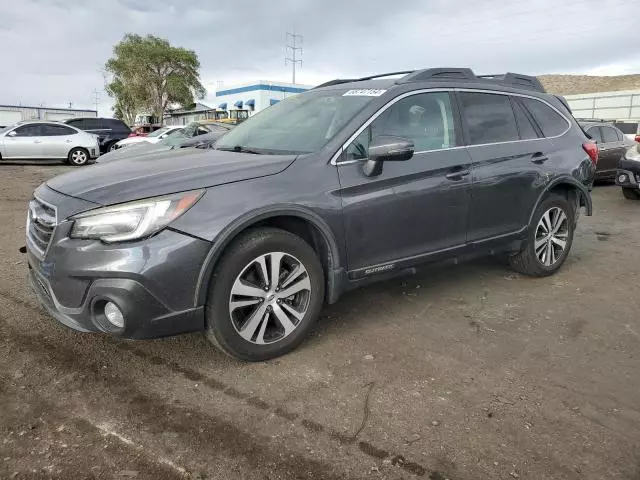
(489, 117)
(609, 135)
(31, 130)
(426, 119)
(92, 124)
(550, 122)
(594, 133)
(526, 128)
(116, 125)
(56, 130)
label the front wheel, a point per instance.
(631, 193)
(549, 239)
(78, 157)
(265, 295)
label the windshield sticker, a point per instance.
(365, 92)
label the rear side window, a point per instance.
(526, 128)
(92, 124)
(77, 122)
(550, 122)
(489, 118)
(115, 124)
(609, 135)
(56, 130)
(594, 133)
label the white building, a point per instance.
(255, 96)
(10, 114)
(622, 106)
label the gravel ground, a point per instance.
(464, 373)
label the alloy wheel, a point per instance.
(269, 298)
(552, 234)
(79, 157)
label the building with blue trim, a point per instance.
(255, 96)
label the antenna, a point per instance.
(293, 46)
(96, 97)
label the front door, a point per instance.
(412, 207)
(24, 141)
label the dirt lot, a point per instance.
(462, 373)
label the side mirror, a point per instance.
(12, 133)
(387, 148)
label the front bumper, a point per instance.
(152, 281)
(628, 174)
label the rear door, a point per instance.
(508, 157)
(414, 207)
(26, 142)
(612, 148)
(57, 140)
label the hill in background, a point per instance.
(574, 84)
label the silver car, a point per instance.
(35, 140)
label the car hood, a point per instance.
(165, 172)
(132, 150)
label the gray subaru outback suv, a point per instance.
(351, 182)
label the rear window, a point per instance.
(550, 122)
(489, 118)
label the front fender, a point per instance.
(226, 236)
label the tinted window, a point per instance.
(489, 118)
(609, 135)
(526, 128)
(92, 124)
(31, 130)
(76, 122)
(49, 130)
(594, 133)
(550, 122)
(115, 124)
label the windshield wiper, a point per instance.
(240, 149)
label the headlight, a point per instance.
(133, 220)
(633, 154)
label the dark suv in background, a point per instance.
(109, 130)
(348, 183)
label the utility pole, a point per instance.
(293, 41)
(96, 97)
(70, 105)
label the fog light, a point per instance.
(622, 178)
(114, 315)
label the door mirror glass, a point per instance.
(12, 133)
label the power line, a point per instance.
(294, 48)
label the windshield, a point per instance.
(159, 132)
(8, 127)
(300, 124)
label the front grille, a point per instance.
(41, 222)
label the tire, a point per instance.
(78, 157)
(240, 330)
(546, 262)
(112, 147)
(631, 193)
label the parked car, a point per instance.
(153, 137)
(628, 173)
(47, 140)
(193, 135)
(631, 130)
(108, 130)
(348, 183)
(612, 145)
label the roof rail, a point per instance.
(438, 74)
(517, 80)
(338, 81)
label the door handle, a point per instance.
(539, 158)
(457, 175)
(37, 141)
(67, 141)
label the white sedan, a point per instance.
(153, 137)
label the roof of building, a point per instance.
(263, 85)
(50, 108)
(199, 107)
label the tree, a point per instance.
(149, 74)
(126, 106)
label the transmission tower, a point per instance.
(96, 97)
(293, 52)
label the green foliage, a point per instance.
(149, 74)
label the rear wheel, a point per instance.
(265, 295)
(549, 239)
(78, 157)
(631, 193)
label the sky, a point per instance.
(52, 52)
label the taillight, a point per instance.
(592, 151)
(637, 138)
